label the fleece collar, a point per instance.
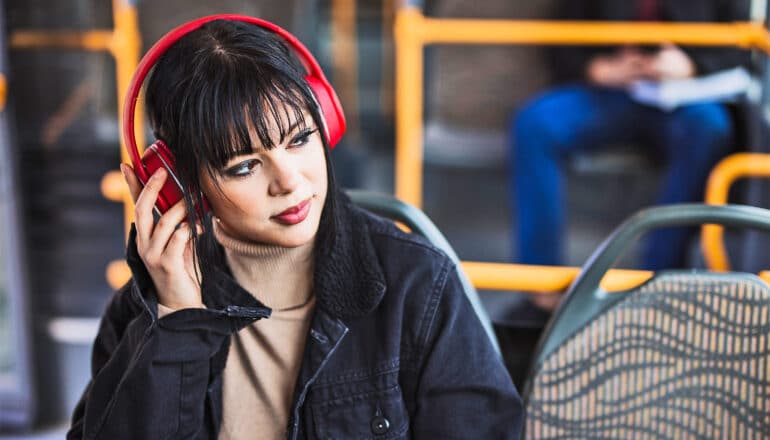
(349, 280)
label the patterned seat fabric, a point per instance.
(683, 356)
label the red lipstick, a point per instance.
(295, 214)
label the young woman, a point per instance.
(265, 305)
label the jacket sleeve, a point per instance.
(149, 375)
(464, 390)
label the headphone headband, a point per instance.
(160, 47)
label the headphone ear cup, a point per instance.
(158, 156)
(331, 109)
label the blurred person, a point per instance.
(365, 332)
(592, 108)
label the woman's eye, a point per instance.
(302, 138)
(242, 169)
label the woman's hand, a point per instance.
(670, 62)
(166, 247)
(617, 70)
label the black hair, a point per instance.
(205, 93)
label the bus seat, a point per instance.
(419, 223)
(684, 355)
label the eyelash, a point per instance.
(243, 169)
(302, 138)
(246, 168)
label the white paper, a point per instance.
(670, 94)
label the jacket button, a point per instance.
(380, 425)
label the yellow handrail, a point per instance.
(564, 32)
(724, 174)
(88, 40)
(413, 31)
(123, 42)
(530, 278)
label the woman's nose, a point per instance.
(285, 178)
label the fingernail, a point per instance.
(123, 170)
(159, 173)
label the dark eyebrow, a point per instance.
(292, 127)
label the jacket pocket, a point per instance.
(378, 415)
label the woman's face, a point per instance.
(273, 196)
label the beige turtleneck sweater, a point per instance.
(264, 358)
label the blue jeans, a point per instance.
(581, 117)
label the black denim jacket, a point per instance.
(395, 351)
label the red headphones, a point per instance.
(158, 155)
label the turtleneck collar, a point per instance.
(279, 277)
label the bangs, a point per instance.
(221, 115)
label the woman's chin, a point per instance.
(291, 236)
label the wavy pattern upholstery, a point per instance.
(684, 356)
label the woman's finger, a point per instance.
(167, 224)
(178, 242)
(145, 202)
(134, 185)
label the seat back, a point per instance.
(685, 355)
(419, 223)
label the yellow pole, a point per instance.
(3, 91)
(409, 100)
(722, 177)
(345, 60)
(125, 47)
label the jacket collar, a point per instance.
(348, 281)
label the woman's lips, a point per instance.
(295, 214)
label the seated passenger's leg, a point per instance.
(542, 134)
(694, 139)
